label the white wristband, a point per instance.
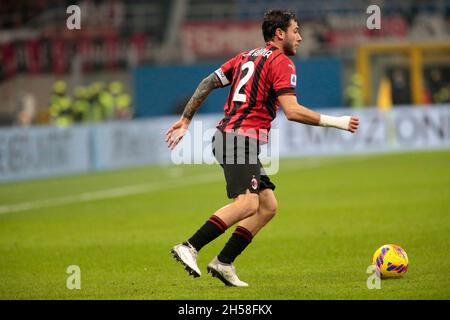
(335, 122)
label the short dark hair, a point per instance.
(274, 19)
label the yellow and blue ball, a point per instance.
(390, 261)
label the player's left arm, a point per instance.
(284, 78)
(296, 112)
(177, 131)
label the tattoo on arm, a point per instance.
(204, 88)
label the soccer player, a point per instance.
(260, 80)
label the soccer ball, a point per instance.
(390, 261)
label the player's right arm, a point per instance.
(218, 79)
(177, 131)
(296, 112)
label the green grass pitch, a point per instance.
(334, 212)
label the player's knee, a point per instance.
(249, 205)
(269, 210)
(267, 205)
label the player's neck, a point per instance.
(277, 45)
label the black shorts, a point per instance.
(238, 156)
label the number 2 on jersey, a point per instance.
(240, 97)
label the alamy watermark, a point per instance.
(210, 146)
(74, 279)
(374, 20)
(374, 280)
(73, 22)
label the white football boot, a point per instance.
(187, 255)
(225, 272)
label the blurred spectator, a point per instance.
(438, 90)
(121, 101)
(401, 93)
(81, 104)
(93, 103)
(115, 103)
(26, 110)
(353, 92)
(95, 110)
(61, 113)
(107, 103)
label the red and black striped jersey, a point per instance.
(257, 78)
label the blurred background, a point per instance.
(140, 59)
(129, 55)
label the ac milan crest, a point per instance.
(254, 183)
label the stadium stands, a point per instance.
(117, 36)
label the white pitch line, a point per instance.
(143, 188)
(105, 194)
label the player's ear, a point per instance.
(279, 33)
